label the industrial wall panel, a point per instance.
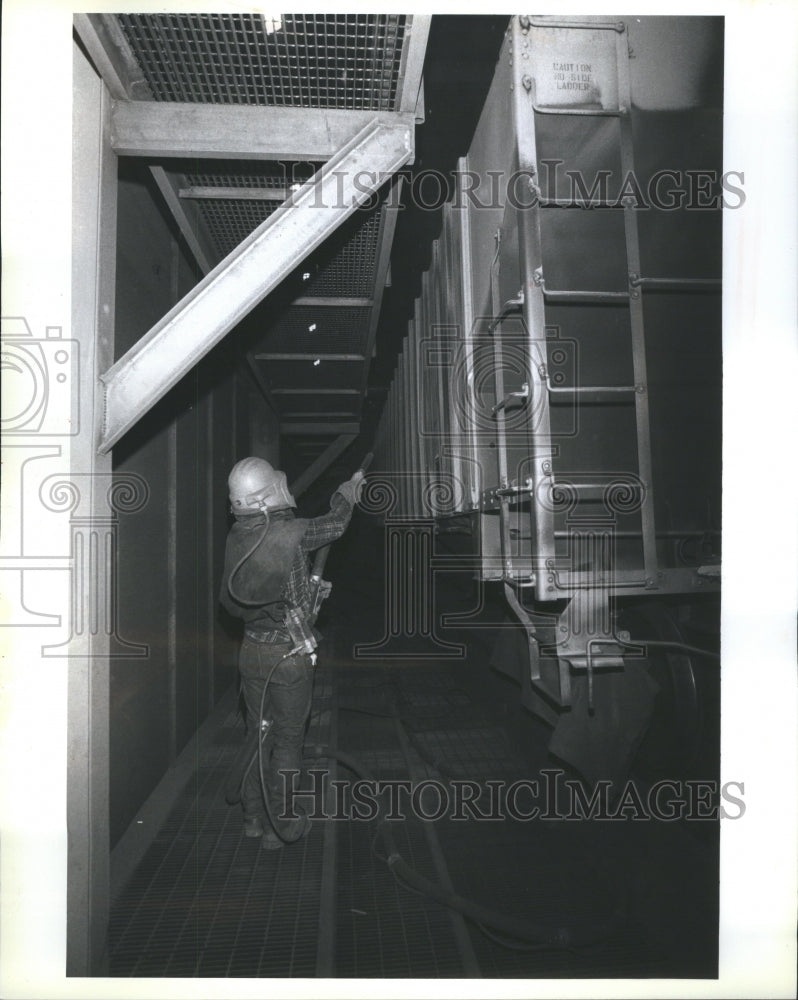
(169, 550)
(139, 688)
(193, 571)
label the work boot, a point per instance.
(270, 841)
(253, 826)
(292, 831)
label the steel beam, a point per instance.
(309, 357)
(302, 430)
(335, 301)
(197, 240)
(108, 49)
(105, 42)
(214, 306)
(415, 49)
(322, 463)
(213, 193)
(288, 391)
(244, 131)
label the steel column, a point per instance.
(473, 472)
(94, 197)
(415, 49)
(644, 461)
(211, 309)
(529, 241)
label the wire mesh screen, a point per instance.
(351, 268)
(292, 60)
(229, 221)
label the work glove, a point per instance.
(352, 488)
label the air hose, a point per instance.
(236, 597)
(520, 930)
(517, 928)
(261, 741)
(235, 783)
(662, 644)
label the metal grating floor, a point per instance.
(207, 902)
(291, 60)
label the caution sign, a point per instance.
(574, 67)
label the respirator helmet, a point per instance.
(256, 485)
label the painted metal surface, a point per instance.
(223, 297)
(540, 412)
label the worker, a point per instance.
(266, 583)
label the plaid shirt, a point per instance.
(321, 531)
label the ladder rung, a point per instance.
(587, 112)
(562, 295)
(600, 389)
(678, 284)
(572, 203)
(618, 26)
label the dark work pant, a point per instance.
(287, 705)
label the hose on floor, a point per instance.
(524, 934)
(533, 935)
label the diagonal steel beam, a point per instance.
(322, 463)
(193, 232)
(214, 306)
(109, 51)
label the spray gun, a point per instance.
(320, 589)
